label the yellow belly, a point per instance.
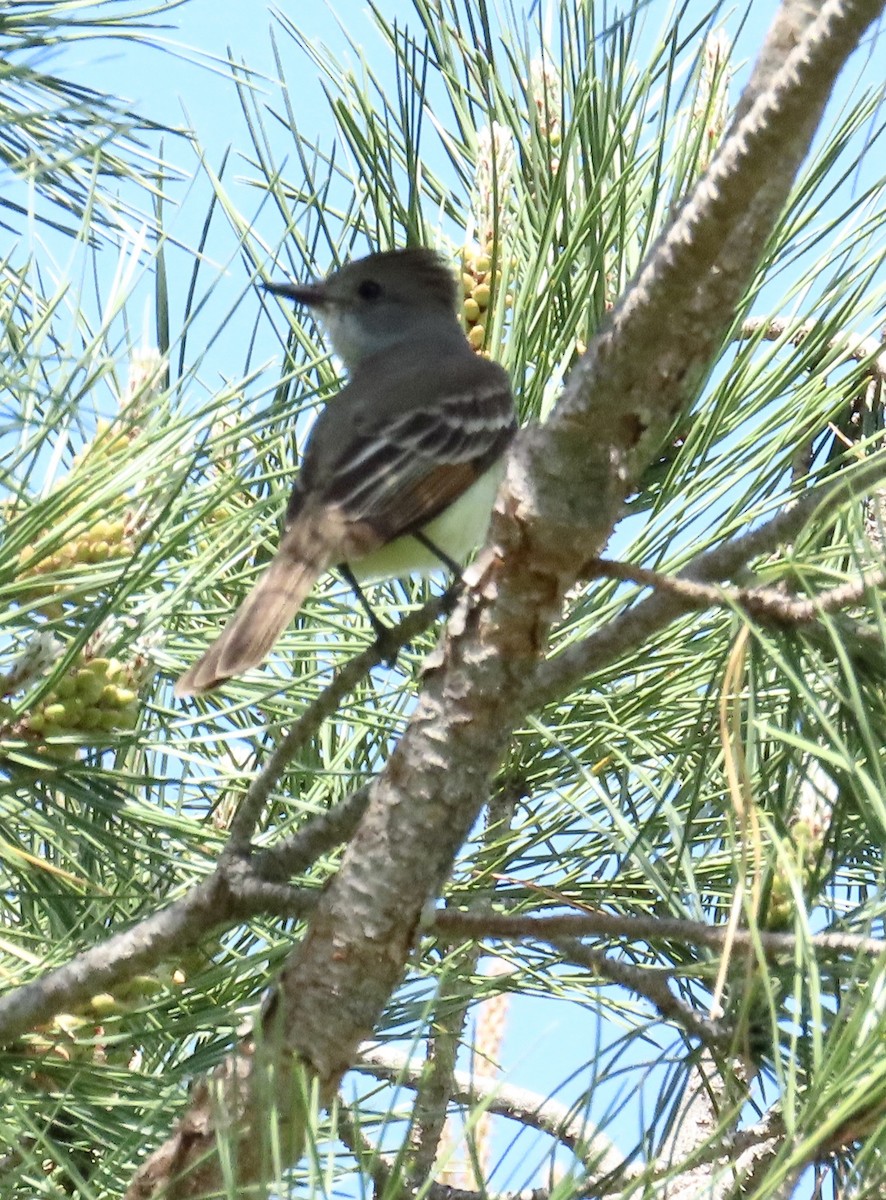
(457, 531)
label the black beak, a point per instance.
(312, 294)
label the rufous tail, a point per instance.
(257, 624)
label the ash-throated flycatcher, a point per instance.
(411, 445)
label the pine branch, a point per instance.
(518, 1104)
(450, 924)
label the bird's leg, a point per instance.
(445, 559)
(383, 633)
(455, 588)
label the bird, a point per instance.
(401, 468)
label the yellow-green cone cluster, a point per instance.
(801, 858)
(71, 1036)
(110, 438)
(131, 994)
(95, 540)
(96, 697)
(476, 282)
(481, 261)
(802, 850)
(43, 584)
(710, 109)
(476, 275)
(546, 91)
(207, 536)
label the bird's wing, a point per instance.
(398, 477)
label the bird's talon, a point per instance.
(386, 645)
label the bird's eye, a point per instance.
(369, 290)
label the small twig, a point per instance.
(730, 1145)
(436, 1084)
(652, 985)
(764, 603)
(319, 835)
(752, 1167)
(709, 1100)
(370, 1160)
(863, 350)
(503, 1099)
(794, 611)
(444, 1191)
(447, 1028)
(252, 896)
(450, 925)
